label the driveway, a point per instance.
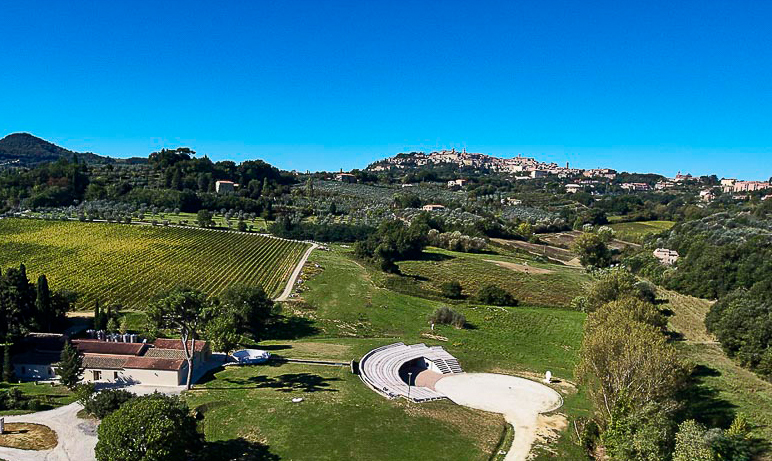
(519, 400)
(77, 437)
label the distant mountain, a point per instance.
(24, 149)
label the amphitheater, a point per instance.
(392, 370)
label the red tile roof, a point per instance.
(93, 346)
(164, 343)
(152, 363)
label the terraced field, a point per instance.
(129, 264)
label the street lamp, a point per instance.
(409, 377)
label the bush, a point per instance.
(154, 427)
(495, 296)
(447, 316)
(107, 401)
(451, 290)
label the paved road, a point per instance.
(519, 400)
(295, 274)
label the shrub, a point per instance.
(447, 316)
(451, 290)
(107, 401)
(495, 296)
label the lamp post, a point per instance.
(409, 377)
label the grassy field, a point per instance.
(635, 231)
(339, 417)
(531, 282)
(345, 309)
(722, 388)
(128, 265)
(49, 396)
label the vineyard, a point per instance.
(129, 264)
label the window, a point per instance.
(97, 375)
(115, 375)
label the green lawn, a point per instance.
(49, 396)
(635, 231)
(531, 282)
(129, 264)
(339, 417)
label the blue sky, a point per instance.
(656, 86)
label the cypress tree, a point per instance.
(70, 366)
(97, 320)
(43, 305)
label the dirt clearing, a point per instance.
(520, 267)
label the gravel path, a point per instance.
(295, 274)
(77, 437)
(519, 400)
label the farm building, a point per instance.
(666, 256)
(456, 183)
(225, 187)
(161, 363)
(432, 207)
(346, 177)
(573, 188)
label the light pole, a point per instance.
(409, 377)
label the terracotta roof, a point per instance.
(110, 362)
(165, 353)
(93, 346)
(153, 363)
(164, 343)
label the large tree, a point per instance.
(154, 427)
(184, 311)
(592, 250)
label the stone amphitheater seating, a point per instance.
(379, 369)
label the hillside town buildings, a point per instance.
(666, 256)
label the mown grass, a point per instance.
(49, 396)
(339, 418)
(129, 264)
(636, 231)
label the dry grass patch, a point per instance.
(28, 436)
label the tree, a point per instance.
(251, 308)
(241, 226)
(7, 366)
(447, 316)
(452, 289)
(102, 403)
(70, 366)
(204, 218)
(592, 250)
(495, 296)
(154, 427)
(617, 283)
(97, 315)
(691, 443)
(183, 310)
(43, 304)
(626, 359)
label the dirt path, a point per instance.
(295, 274)
(520, 400)
(520, 267)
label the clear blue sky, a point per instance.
(650, 86)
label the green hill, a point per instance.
(25, 150)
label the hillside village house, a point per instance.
(665, 256)
(346, 177)
(511, 201)
(707, 195)
(745, 186)
(160, 363)
(573, 188)
(432, 207)
(635, 186)
(456, 183)
(607, 173)
(225, 187)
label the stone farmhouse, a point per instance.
(225, 187)
(666, 256)
(160, 363)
